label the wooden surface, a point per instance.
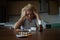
(47, 34)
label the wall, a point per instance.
(44, 6)
(53, 7)
(14, 7)
(3, 6)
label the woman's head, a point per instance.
(28, 11)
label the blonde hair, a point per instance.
(27, 7)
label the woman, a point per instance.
(29, 18)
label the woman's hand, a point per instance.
(17, 30)
(36, 14)
(23, 12)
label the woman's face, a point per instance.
(29, 14)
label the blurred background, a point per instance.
(49, 11)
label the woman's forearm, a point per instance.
(18, 24)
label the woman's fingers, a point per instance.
(35, 13)
(23, 12)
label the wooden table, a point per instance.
(47, 34)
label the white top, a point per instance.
(28, 25)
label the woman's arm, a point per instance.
(39, 23)
(20, 21)
(18, 24)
